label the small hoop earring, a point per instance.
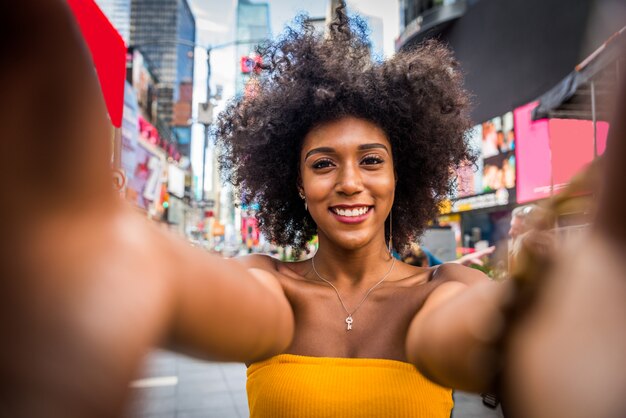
(303, 197)
(390, 232)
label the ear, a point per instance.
(299, 185)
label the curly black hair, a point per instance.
(416, 97)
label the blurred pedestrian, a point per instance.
(416, 256)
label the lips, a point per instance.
(351, 214)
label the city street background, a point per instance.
(538, 84)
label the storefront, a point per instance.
(148, 182)
(479, 212)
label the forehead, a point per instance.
(347, 132)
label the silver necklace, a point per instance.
(349, 319)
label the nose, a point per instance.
(349, 180)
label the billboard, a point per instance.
(550, 151)
(143, 82)
(130, 131)
(144, 187)
(492, 180)
(571, 144)
(498, 153)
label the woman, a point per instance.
(360, 153)
(331, 142)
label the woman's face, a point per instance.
(348, 179)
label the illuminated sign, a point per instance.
(498, 198)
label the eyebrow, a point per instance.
(331, 150)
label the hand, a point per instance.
(565, 356)
(84, 280)
(475, 257)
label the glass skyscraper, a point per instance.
(118, 12)
(165, 31)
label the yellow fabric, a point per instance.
(294, 386)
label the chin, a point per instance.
(350, 241)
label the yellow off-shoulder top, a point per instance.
(296, 386)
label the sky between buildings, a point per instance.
(215, 25)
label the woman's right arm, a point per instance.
(227, 309)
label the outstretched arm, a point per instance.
(564, 350)
(88, 286)
(229, 309)
(450, 338)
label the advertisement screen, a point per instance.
(498, 152)
(144, 186)
(130, 131)
(550, 151)
(492, 180)
(499, 172)
(144, 85)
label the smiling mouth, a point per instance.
(351, 212)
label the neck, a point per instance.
(352, 267)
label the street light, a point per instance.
(205, 111)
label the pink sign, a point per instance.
(550, 151)
(571, 142)
(532, 153)
(602, 133)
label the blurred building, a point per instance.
(252, 27)
(512, 53)
(253, 24)
(165, 32)
(118, 13)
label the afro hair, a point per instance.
(308, 78)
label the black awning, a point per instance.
(572, 98)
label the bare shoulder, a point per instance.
(258, 261)
(407, 275)
(293, 270)
(452, 279)
(452, 272)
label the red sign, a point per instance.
(251, 64)
(108, 52)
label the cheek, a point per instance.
(384, 186)
(317, 188)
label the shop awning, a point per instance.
(580, 94)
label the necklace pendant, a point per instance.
(349, 322)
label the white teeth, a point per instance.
(351, 212)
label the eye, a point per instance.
(323, 163)
(372, 160)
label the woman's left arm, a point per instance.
(451, 339)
